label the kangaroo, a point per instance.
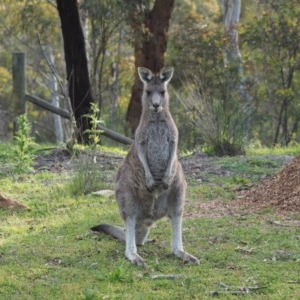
(150, 184)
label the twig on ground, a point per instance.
(167, 276)
(245, 250)
(288, 223)
(235, 290)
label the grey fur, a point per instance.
(115, 231)
(150, 184)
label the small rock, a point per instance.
(104, 193)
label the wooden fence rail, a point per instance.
(20, 98)
(48, 106)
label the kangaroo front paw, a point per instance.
(150, 183)
(186, 257)
(166, 181)
(136, 259)
(165, 185)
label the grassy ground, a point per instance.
(48, 252)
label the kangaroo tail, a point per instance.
(112, 230)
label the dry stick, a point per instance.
(238, 291)
(278, 223)
(217, 293)
(168, 276)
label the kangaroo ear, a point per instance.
(145, 74)
(166, 74)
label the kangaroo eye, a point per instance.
(148, 93)
(162, 93)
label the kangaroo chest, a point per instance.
(157, 148)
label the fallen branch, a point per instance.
(235, 290)
(167, 276)
(288, 223)
(244, 250)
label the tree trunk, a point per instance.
(231, 17)
(150, 29)
(233, 57)
(114, 86)
(52, 83)
(76, 65)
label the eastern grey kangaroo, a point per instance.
(150, 184)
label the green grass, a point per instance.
(48, 252)
(257, 149)
(252, 167)
(237, 172)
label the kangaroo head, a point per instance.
(155, 93)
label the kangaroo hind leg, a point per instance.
(131, 249)
(176, 203)
(141, 233)
(177, 247)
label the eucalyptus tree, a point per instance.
(231, 10)
(209, 63)
(273, 40)
(233, 62)
(107, 44)
(150, 24)
(79, 86)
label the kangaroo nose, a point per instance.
(155, 105)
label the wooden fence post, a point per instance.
(19, 98)
(19, 85)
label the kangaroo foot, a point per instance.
(186, 257)
(136, 259)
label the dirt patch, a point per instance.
(7, 203)
(58, 160)
(212, 209)
(199, 165)
(54, 160)
(281, 191)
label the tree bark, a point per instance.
(52, 83)
(233, 57)
(150, 44)
(231, 17)
(76, 65)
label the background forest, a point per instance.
(235, 90)
(218, 106)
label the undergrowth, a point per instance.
(258, 149)
(23, 145)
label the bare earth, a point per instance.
(280, 192)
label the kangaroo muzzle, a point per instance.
(156, 102)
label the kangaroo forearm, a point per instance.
(172, 158)
(142, 156)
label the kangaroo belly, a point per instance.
(158, 154)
